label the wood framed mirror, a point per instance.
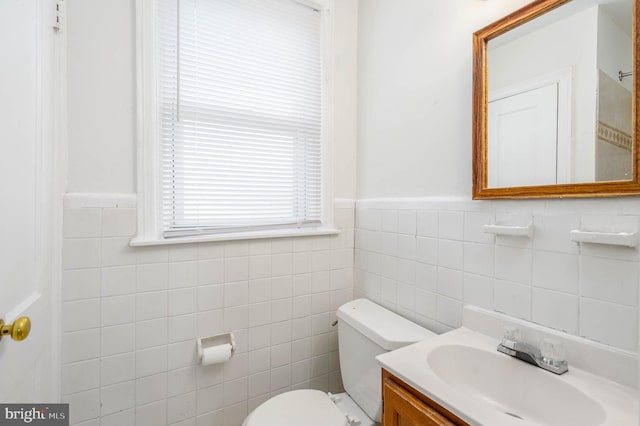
(555, 101)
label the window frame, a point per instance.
(149, 198)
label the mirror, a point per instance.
(555, 102)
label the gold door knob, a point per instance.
(19, 330)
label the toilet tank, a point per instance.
(366, 330)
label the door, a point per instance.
(28, 369)
(523, 138)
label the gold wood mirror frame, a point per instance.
(481, 190)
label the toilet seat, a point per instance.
(299, 407)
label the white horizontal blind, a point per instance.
(240, 113)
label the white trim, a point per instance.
(148, 157)
(59, 160)
(78, 200)
(82, 200)
(253, 235)
(344, 203)
(417, 203)
(148, 171)
(328, 109)
(43, 305)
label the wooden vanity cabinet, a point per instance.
(402, 405)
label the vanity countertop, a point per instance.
(462, 371)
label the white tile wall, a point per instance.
(440, 258)
(131, 317)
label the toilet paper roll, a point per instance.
(216, 354)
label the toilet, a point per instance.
(365, 330)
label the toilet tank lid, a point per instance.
(387, 329)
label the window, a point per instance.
(235, 120)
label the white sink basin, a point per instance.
(512, 387)
(463, 372)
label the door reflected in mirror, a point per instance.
(546, 105)
(554, 96)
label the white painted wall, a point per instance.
(414, 88)
(414, 81)
(101, 95)
(102, 102)
(346, 98)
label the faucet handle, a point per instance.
(552, 351)
(510, 336)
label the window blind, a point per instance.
(240, 115)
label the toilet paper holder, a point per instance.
(217, 340)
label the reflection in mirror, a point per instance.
(559, 97)
(614, 141)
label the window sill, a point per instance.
(141, 241)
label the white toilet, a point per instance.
(364, 331)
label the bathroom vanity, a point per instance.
(460, 378)
(403, 406)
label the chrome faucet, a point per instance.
(550, 355)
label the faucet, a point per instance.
(550, 355)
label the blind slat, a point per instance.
(240, 114)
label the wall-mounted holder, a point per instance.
(624, 239)
(510, 230)
(216, 349)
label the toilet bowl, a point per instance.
(365, 330)
(309, 407)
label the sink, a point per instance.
(462, 371)
(513, 387)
